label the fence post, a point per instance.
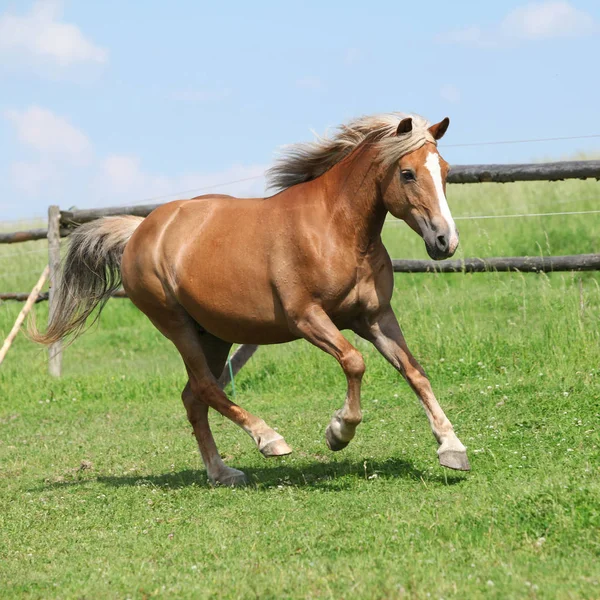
(55, 350)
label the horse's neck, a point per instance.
(354, 197)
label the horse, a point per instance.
(306, 262)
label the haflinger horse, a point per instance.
(306, 262)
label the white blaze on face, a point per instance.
(433, 166)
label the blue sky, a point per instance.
(105, 103)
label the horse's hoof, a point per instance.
(276, 448)
(455, 459)
(229, 477)
(334, 444)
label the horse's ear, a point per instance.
(439, 129)
(405, 126)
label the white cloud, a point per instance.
(122, 172)
(450, 93)
(543, 20)
(55, 149)
(59, 165)
(40, 35)
(531, 22)
(50, 134)
(121, 178)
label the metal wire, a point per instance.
(199, 189)
(554, 139)
(549, 214)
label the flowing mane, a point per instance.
(307, 161)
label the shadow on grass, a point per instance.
(331, 476)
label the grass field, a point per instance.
(103, 494)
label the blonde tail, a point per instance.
(90, 275)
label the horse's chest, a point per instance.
(359, 291)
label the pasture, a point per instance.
(103, 493)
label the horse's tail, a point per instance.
(91, 273)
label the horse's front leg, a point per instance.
(316, 327)
(386, 335)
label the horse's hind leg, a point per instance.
(216, 469)
(194, 347)
(204, 385)
(216, 352)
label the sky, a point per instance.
(112, 103)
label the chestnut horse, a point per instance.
(306, 262)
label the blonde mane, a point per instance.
(307, 161)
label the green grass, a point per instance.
(103, 495)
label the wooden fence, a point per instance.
(61, 223)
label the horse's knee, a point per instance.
(353, 364)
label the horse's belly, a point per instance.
(235, 316)
(247, 333)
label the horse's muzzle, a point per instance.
(441, 240)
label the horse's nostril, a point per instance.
(442, 242)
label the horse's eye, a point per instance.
(407, 175)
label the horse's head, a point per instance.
(415, 191)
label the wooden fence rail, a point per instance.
(523, 264)
(73, 218)
(22, 296)
(551, 171)
(16, 237)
